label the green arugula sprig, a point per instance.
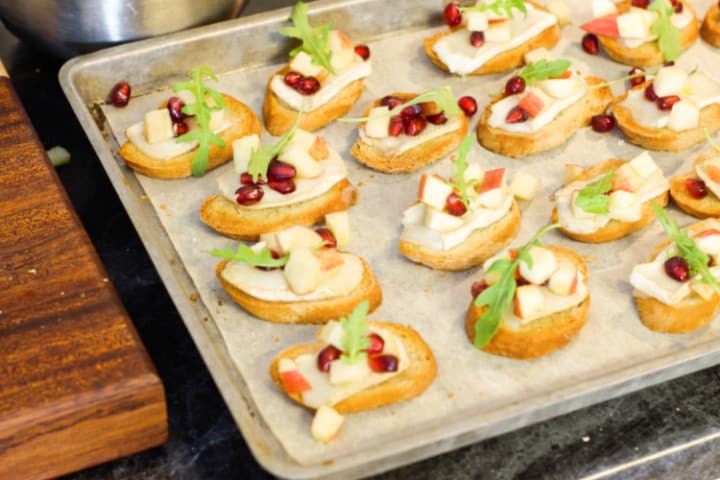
(709, 139)
(687, 249)
(668, 34)
(460, 165)
(592, 198)
(201, 110)
(260, 158)
(499, 7)
(354, 340)
(314, 40)
(543, 69)
(496, 297)
(442, 96)
(245, 254)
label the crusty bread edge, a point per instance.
(710, 30)
(700, 208)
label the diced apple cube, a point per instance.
(684, 115)
(669, 81)
(414, 214)
(644, 165)
(378, 123)
(338, 41)
(305, 165)
(330, 259)
(703, 289)
(565, 279)
(626, 178)
(561, 11)
(476, 21)
(624, 206)
(294, 382)
(538, 54)
(473, 172)
(529, 301)
(708, 241)
(341, 372)
(600, 8)
(326, 424)
(158, 126)
(434, 191)
(559, 87)
(242, 151)
(217, 118)
(544, 264)
(302, 271)
(331, 333)
(339, 225)
(258, 247)
(297, 237)
(441, 221)
(302, 64)
(499, 32)
(270, 240)
(342, 59)
(493, 188)
(632, 25)
(303, 139)
(319, 149)
(286, 365)
(532, 103)
(649, 17)
(525, 186)
(572, 170)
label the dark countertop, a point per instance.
(666, 431)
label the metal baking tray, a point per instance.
(237, 50)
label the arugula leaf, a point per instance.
(687, 249)
(592, 198)
(668, 34)
(442, 96)
(542, 70)
(498, 7)
(496, 297)
(354, 340)
(201, 110)
(460, 165)
(260, 158)
(245, 254)
(314, 40)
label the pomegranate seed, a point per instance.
(640, 3)
(602, 123)
(590, 44)
(327, 355)
(327, 236)
(454, 205)
(517, 115)
(696, 188)
(477, 288)
(414, 126)
(477, 39)
(667, 103)
(249, 194)
(514, 86)
(292, 79)
(363, 51)
(437, 119)
(282, 186)
(636, 80)
(669, 63)
(677, 269)
(120, 94)
(391, 102)
(247, 179)
(278, 170)
(308, 85)
(679, 7)
(179, 128)
(452, 14)
(377, 344)
(468, 105)
(397, 126)
(411, 111)
(175, 106)
(383, 363)
(650, 94)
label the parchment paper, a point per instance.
(469, 382)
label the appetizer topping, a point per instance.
(326, 424)
(590, 44)
(514, 86)
(696, 188)
(602, 123)
(468, 105)
(452, 15)
(477, 39)
(525, 186)
(120, 94)
(314, 40)
(709, 173)
(327, 355)
(292, 380)
(363, 51)
(637, 76)
(327, 237)
(175, 106)
(249, 195)
(677, 269)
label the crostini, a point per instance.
(185, 136)
(492, 36)
(460, 223)
(611, 200)
(698, 192)
(643, 33)
(710, 30)
(526, 312)
(324, 78)
(297, 275)
(541, 107)
(297, 181)
(355, 365)
(404, 132)
(676, 291)
(670, 111)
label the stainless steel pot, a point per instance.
(71, 27)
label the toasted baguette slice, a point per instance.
(648, 54)
(702, 207)
(554, 134)
(242, 223)
(541, 336)
(689, 314)
(245, 123)
(412, 159)
(408, 384)
(280, 117)
(664, 138)
(614, 229)
(710, 30)
(478, 247)
(506, 60)
(312, 311)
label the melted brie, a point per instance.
(169, 148)
(402, 143)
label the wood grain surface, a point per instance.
(76, 385)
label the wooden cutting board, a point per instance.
(76, 385)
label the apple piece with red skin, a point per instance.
(532, 104)
(528, 302)
(544, 264)
(708, 241)
(434, 191)
(292, 380)
(626, 179)
(330, 259)
(319, 149)
(606, 26)
(713, 171)
(565, 279)
(492, 189)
